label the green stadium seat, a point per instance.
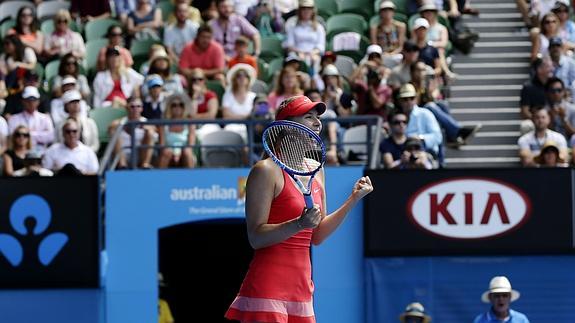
(326, 8)
(217, 87)
(51, 70)
(271, 47)
(98, 28)
(92, 50)
(357, 55)
(363, 8)
(103, 118)
(167, 8)
(6, 25)
(345, 22)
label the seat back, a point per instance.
(229, 155)
(345, 65)
(48, 9)
(346, 22)
(363, 8)
(6, 25)
(103, 118)
(96, 29)
(9, 9)
(92, 50)
(355, 144)
(271, 47)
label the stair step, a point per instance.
(483, 111)
(494, 6)
(486, 99)
(486, 162)
(486, 123)
(505, 16)
(489, 87)
(481, 151)
(473, 117)
(493, 57)
(473, 71)
(479, 140)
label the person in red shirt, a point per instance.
(204, 53)
(242, 55)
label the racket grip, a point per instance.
(308, 200)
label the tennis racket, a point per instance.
(297, 150)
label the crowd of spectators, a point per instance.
(214, 61)
(547, 97)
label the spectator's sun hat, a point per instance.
(72, 95)
(241, 67)
(292, 57)
(547, 146)
(386, 4)
(415, 310)
(306, 3)
(430, 6)
(374, 49)
(330, 70)
(407, 90)
(420, 22)
(154, 80)
(555, 41)
(30, 92)
(559, 4)
(69, 79)
(297, 106)
(499, 284)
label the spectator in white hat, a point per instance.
(72, 102)
(414, 313)
(500, 295)
(57, 111)
(40, 124)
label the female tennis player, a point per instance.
(278, 285)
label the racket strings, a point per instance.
(295, 148)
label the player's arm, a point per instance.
(262, 186)
(330, 223)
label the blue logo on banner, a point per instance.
(35, 207)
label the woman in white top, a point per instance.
(238, 100)
(114, 85)
(16, 56)
(307, 37)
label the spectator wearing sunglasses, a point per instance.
(71, 157)
(144, 135)
(74, 107)
(27, 28)
(63, 40)
(70, 67)
(115, 40)
(14, 156)
(566, 26)
(177, 136)
(116, 83)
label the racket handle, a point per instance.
(308, 200)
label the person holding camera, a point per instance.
(372, 95)
(413, 155)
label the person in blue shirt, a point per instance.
(422, 124)
(500, 295)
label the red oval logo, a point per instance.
(469, 208)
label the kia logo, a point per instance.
(469, 208)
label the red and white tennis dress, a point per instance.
(278, 285)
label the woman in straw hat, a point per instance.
(500, 295)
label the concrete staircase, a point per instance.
(488, 87)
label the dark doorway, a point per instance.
(203, 265)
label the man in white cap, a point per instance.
(72, 101)
(500, 295)
(40, 124)
(57, 111)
